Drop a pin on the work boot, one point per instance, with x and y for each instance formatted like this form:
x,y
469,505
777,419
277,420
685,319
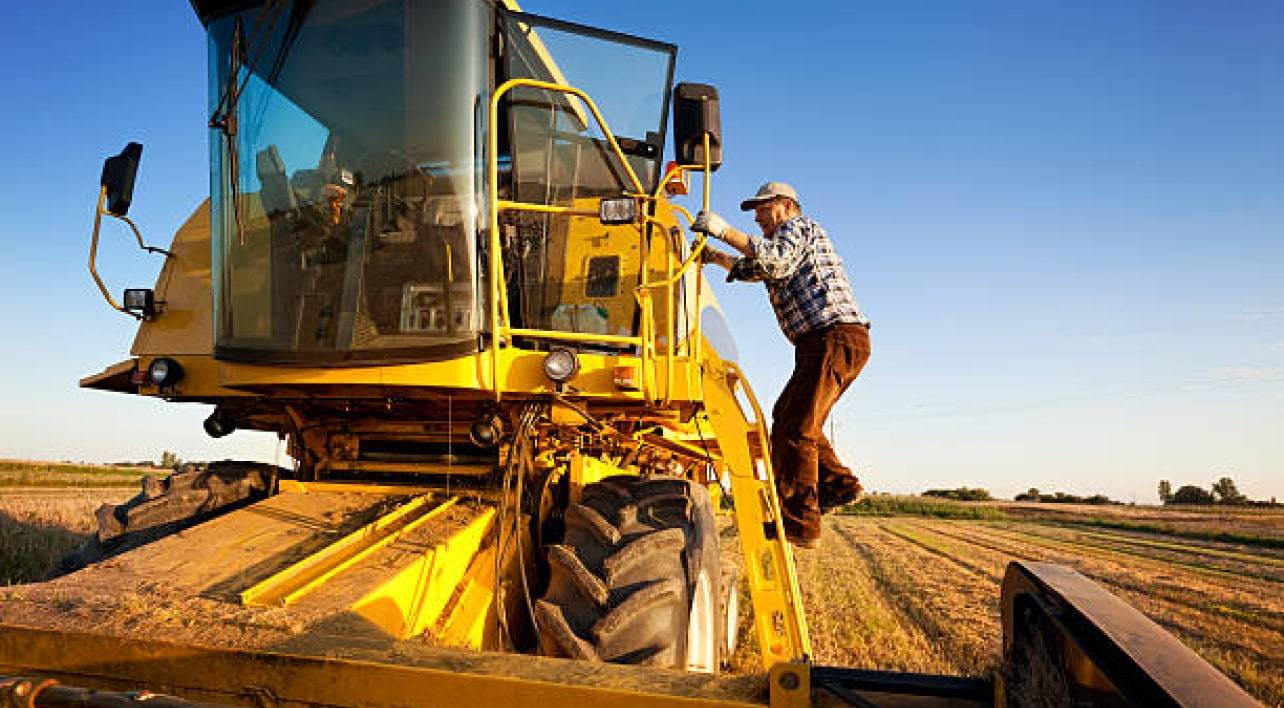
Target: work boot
x,y
801,520
838,491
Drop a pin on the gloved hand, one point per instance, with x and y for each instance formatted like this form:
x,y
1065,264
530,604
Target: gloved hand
x,y
713,255
710,223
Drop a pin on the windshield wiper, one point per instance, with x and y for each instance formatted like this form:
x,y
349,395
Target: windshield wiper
x,y
223,119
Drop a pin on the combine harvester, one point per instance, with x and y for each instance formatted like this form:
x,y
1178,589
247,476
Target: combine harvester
x,y
441,261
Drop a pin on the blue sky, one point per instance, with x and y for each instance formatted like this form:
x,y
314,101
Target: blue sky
x,y
1065,219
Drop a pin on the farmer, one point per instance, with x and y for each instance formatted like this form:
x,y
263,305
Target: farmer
x,y
819,315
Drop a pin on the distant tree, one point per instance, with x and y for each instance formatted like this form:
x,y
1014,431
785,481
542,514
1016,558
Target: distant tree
x,y
1030,495
960,494
1165,491
170,460
1227,493
1190,494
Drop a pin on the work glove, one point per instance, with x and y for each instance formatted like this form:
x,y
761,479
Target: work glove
x,y
710,223
713,255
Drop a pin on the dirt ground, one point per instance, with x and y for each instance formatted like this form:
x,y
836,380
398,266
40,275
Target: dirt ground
x,y
903,593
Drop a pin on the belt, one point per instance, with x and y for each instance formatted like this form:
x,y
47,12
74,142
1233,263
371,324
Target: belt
x,y
821,330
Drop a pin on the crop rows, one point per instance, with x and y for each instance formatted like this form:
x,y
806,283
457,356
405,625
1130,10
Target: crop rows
x,y
922,594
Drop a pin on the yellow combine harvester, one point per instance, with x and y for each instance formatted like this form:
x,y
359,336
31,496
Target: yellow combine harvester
x,y
440,260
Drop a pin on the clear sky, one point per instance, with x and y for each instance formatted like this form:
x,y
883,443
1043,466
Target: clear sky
x,y
1065,219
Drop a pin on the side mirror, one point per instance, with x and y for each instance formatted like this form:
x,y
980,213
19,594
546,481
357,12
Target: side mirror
x,y
695,114
118,178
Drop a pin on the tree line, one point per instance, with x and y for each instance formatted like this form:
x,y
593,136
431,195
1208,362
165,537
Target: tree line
x,y
1223,491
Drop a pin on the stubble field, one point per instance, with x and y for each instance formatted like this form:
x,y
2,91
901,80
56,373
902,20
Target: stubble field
x,y
922,594
913,592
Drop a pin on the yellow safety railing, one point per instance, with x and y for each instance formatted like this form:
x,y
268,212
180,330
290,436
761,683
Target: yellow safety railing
x,y
500,320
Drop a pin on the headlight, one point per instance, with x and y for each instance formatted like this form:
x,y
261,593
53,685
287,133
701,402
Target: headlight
x,y
141,301
164,373
218,426
561,364
486,431
622,210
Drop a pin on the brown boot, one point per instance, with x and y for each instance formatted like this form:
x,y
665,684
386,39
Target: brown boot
x,y
801,519
838,491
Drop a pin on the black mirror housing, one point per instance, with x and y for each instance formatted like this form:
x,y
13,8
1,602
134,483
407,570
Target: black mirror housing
x,y
695,113
118,178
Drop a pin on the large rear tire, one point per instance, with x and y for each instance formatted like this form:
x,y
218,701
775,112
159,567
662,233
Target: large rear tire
x,y
636,578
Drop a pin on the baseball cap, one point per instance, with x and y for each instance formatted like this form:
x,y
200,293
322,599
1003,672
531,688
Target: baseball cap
x,y
770,190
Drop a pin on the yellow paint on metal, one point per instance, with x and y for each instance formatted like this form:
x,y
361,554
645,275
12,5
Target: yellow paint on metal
x,y
790,685
584,471
499,316
428,677
412,601
402,467
468,621
185,324
93,250
294,486
769,563
312,572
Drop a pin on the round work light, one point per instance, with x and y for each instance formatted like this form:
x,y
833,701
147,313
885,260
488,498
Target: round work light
x,y
561,364
164,372
486,431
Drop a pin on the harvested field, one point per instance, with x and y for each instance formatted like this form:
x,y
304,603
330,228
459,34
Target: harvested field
x,y
39,526
922,594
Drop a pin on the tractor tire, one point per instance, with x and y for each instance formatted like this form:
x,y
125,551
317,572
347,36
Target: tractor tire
x,y
636,577
165,505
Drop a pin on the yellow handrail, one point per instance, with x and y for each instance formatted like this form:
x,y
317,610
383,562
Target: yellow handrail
x,y
498,288
500,319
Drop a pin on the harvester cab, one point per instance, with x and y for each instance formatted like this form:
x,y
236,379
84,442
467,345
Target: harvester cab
x,y
442,261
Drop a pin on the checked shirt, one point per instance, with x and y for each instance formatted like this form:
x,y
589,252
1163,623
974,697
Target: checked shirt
x,y
804,276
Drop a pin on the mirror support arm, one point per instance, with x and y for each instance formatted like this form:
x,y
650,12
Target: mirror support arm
x,y
93,251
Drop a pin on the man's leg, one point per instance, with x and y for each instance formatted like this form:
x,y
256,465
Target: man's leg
x,y
793,462
837,485
820,363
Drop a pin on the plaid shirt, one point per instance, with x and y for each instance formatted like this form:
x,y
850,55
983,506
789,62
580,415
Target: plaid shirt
x,y
804,277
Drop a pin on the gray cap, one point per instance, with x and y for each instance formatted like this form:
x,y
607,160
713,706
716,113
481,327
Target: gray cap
x,y
770,190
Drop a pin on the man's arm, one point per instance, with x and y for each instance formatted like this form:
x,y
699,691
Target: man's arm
x,y
742,268
779,256
716,257
774,258
717,227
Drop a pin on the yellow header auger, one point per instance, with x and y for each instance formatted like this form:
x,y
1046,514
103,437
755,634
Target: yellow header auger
x,y
441,261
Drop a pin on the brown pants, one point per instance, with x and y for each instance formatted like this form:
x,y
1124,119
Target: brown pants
x,y
825,364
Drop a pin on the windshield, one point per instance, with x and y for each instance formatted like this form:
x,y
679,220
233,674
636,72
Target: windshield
x,y
346,181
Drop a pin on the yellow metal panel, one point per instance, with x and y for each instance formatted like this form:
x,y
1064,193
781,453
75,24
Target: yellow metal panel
x,y
790,685
185,325
412,600
424,677
466,625
294,486
310,573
